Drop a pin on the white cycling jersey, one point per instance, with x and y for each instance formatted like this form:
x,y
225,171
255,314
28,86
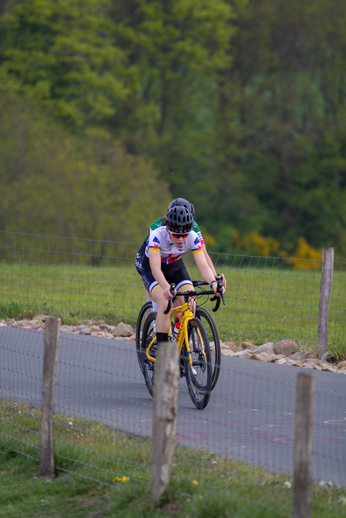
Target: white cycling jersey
x,y
160,242
159,223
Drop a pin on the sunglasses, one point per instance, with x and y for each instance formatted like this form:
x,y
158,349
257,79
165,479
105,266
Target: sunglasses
x,y
177,236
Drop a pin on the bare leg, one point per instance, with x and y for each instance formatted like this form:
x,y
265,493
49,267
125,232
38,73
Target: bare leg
x,y
162,320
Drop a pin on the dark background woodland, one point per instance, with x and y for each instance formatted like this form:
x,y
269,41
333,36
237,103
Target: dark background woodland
x,y
110,108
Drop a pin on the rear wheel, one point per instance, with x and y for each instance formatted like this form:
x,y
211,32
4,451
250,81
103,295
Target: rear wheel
x,y
149,339
214,340
199,374
142,315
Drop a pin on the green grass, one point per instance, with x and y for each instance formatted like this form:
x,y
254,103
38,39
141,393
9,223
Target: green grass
x,y
101,472
262,304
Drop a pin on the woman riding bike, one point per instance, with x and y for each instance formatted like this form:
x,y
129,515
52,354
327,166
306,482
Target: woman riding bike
x,y
162,263
178,202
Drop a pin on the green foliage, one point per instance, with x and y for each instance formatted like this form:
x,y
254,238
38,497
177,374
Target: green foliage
x,y
282,123
63,53
14,310
55,183
240,105
178,48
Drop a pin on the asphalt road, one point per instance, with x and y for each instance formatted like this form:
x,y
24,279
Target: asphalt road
x,y
250,415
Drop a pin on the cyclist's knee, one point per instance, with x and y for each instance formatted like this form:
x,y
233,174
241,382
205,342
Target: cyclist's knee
x,y
159,299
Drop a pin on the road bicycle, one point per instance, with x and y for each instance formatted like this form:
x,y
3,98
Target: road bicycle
x,y
203,315
194,351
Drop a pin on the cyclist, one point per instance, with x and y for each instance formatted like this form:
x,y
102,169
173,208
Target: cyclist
x,y
161,222
162,263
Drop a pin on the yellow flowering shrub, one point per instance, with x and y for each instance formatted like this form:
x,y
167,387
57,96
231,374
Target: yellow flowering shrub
x,y
262,245
303,257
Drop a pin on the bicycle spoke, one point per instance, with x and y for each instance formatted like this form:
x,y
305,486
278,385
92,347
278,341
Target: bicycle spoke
x,y
214,341
149,346
144,312
199,374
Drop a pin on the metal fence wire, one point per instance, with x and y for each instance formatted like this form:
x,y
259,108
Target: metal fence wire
x,y
239,447
267,298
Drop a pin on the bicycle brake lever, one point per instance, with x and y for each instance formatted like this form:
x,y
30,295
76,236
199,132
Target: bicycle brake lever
x,y
217,305
218,299
219,289
169,305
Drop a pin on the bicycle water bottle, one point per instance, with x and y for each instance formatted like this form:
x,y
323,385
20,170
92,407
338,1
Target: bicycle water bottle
x,y
176,331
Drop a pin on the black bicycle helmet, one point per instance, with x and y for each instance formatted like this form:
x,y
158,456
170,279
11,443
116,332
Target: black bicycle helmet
x,y
181,202
179,220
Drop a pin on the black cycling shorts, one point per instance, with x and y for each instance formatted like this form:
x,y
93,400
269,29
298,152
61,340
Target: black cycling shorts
x,y
174,272
140,257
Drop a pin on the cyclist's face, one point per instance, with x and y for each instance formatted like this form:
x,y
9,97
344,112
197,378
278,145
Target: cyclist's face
x,y
178,239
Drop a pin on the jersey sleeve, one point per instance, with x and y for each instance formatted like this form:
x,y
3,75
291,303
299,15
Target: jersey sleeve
x,y
196,229
154,244
195,243
156,224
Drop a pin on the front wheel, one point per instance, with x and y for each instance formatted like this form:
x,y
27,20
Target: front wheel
x,y
214,340
142,315
149,341
199,374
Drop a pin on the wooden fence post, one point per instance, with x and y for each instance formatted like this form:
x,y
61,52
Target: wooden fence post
x,y
325,294
165,407
50,349
302,490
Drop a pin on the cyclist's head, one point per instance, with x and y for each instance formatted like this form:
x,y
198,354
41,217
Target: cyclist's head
x,y
179,220
181,202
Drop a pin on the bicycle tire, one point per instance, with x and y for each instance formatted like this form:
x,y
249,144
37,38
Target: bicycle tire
x,y
142,315
211,329
149,366
199,375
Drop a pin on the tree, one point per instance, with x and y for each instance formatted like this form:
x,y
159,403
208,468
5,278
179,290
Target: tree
x,y
62,52
57,184
177,47
281,114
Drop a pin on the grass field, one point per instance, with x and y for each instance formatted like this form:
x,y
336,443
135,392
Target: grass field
x,y
101,472
264,302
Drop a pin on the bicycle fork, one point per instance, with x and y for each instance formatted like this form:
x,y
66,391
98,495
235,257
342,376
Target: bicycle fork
x,y
187,344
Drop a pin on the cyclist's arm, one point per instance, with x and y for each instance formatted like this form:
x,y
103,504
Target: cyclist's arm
x,y
211,266
205,270
209,261
155,266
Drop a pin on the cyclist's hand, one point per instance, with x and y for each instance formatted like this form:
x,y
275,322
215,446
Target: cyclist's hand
x,y
216,289
224,282
167,293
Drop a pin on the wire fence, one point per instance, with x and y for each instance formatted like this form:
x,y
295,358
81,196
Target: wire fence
x,y
239,448
267,298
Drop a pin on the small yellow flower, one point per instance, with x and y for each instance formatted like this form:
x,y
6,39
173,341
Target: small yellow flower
x,y
195,482
140,476
113,479
200,496
124,479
